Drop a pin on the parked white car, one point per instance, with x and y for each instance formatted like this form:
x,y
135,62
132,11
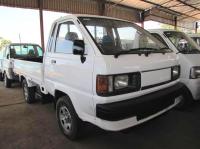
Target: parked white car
x,y
196,38
189,58
21,51
1,61
105,71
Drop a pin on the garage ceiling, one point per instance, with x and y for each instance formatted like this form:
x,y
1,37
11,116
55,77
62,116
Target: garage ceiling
x,y
184,9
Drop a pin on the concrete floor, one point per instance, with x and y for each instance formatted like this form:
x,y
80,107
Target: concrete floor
x,y
24,126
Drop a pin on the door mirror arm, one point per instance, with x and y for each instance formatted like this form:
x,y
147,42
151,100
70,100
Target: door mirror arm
x,y
7,56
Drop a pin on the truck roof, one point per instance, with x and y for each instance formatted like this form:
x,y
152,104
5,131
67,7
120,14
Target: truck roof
x,y
15,44
194,35
12,44
75,16
161,30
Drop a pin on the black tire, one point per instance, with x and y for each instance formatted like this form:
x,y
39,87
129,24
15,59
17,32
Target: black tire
x,y
73,131
1,77
7,82
28,92
186,100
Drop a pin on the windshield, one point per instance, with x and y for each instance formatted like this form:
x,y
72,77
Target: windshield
x,y
113,36
25,50
197,40
159,38
182,42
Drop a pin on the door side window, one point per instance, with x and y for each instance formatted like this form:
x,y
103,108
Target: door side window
x,y
1,52
39,51
50,40
67,33
6,52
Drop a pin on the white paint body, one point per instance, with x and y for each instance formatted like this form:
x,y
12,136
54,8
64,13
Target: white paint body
x,y
6,63
78,80
187,61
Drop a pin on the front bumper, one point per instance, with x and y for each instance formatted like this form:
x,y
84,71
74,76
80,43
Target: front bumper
x,y
138,108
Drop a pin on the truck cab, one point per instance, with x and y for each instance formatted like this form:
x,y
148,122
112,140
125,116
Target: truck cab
x,y
189,53
196,38
105,71
1,65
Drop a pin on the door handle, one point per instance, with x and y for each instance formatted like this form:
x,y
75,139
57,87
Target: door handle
x,y
53,61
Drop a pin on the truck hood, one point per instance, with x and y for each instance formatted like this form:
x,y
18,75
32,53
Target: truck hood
x,y
192,59
155,68
133,62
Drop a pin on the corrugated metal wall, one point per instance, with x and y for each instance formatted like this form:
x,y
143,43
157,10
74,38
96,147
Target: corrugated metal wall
x,y
122,12
77,6
159,16
72,6
94,7
20,3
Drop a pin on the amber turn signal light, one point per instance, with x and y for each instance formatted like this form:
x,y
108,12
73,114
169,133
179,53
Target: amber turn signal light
x,y
102,84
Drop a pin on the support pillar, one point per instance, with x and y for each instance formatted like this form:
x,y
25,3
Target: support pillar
x,y
196,27
142,24
102,7
41,23
142,19
175,23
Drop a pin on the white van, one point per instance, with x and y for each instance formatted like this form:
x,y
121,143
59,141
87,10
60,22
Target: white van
x,y
189,58
105,71
21,51
196,38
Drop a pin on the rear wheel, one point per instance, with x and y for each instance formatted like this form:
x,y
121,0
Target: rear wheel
x,y
7,82
29,92
67,118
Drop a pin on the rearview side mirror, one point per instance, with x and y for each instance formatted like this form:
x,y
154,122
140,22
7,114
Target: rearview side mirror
x,y
79,49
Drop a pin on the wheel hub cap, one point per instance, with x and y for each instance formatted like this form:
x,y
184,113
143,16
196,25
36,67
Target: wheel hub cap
x,y
25,92
65,118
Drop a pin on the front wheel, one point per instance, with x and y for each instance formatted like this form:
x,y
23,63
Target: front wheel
x,y
67,118
186,100
1,77
29,92
7,82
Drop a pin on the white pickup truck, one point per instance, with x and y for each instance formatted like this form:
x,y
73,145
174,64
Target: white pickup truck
x,y
105,71
1,64
189,58
19,52
196,38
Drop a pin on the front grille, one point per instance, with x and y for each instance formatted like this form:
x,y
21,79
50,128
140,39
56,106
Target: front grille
x,y
141,107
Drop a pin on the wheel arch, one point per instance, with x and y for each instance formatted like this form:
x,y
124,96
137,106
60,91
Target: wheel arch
x,y
59,94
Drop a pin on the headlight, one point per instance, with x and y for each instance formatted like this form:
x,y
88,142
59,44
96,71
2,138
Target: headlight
x,y
121,81
175,72
195,72
117,84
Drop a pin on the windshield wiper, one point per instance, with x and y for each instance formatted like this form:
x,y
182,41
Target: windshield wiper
x,y
116,55
140,51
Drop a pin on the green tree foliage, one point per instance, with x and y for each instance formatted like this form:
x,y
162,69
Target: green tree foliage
x,y
166,26
4,42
